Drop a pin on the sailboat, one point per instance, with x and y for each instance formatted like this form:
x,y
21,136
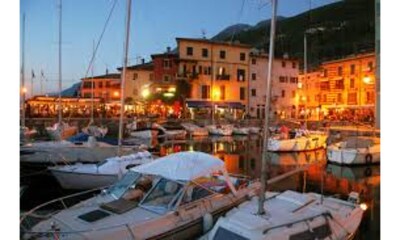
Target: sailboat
x,y
60,130
290,214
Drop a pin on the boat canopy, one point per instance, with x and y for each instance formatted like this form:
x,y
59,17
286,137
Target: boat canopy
x,y
184,166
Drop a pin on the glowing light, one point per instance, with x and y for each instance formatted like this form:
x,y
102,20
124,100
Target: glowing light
x,y
216,93
116,94
158,89
168,94
367,80
145,92
299,85
303,98
364,206
24,90
172,89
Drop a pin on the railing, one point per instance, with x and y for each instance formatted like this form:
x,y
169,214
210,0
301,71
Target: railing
x,y
223,77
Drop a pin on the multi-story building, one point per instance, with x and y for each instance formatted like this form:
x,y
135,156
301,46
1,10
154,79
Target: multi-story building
x,y
347,83
165,72
105,86
283,85
217,72
139,77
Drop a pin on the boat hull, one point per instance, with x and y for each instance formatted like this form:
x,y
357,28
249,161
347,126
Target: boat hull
x,y
82,181
353,156
299,144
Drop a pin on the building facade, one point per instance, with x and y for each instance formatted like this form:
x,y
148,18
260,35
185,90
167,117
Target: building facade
x,y
105,86
284,85
165,72
218,74
346,84
139,77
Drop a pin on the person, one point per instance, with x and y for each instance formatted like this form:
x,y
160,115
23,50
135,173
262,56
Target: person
x,y
284,130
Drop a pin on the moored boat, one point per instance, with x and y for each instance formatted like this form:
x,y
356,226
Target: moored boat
x,y
311,141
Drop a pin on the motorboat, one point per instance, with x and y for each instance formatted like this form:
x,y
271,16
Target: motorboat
x,y
254,130
220,130
97,131
170,134
95,175
310,140
61,131
61,152
177,196
195,130
355,151
291,215
240,130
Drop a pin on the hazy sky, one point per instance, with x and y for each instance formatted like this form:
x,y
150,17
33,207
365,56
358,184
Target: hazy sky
x,y
154,25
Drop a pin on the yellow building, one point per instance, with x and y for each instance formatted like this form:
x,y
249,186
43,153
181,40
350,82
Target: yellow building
x,y
218,73
105,86
344,84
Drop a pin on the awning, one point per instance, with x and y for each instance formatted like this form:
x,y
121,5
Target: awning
x,y
208,104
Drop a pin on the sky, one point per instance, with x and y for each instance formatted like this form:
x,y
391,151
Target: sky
x,y
154,25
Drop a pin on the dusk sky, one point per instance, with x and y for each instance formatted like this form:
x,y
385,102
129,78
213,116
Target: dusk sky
x,y
154,25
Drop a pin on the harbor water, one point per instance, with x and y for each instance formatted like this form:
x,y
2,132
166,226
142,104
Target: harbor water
x,y
242,155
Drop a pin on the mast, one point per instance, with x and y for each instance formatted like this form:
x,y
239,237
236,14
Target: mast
x,y
305,77
23,89
261,209
212,86
123,76
59,65
92,92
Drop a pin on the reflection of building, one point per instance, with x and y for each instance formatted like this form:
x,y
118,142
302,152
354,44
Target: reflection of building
x,y
105,86
347,83
217,72
283,85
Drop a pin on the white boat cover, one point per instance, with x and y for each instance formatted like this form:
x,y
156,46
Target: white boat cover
x,y
185,166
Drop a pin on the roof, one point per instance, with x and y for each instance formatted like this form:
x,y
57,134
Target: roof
x,y
143,66
167,54
183,166
202,40
105,76
349,58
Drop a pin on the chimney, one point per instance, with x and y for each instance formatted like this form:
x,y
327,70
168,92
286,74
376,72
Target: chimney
x,y
106,71
168,49
142,60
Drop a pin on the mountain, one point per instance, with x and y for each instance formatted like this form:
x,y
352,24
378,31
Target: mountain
x,y
335,30
72,91
231,30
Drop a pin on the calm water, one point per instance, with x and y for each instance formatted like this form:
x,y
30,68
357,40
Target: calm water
x,y
242,155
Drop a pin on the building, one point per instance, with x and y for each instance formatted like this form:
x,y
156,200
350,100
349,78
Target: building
x,y
165,72
139,77
284,85
345,85
218,75
105,86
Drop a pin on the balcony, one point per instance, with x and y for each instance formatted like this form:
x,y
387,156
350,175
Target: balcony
x,y
188,75
223,77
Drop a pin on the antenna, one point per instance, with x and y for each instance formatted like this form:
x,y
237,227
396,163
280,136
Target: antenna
x,y
203,33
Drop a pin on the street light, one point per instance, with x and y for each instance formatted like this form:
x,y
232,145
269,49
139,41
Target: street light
x,y
116,94
145,93
367,80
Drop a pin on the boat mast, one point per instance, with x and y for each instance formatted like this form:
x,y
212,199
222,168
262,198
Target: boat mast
x,y
261,209
23,89
123,76
92,91
59,66
305,77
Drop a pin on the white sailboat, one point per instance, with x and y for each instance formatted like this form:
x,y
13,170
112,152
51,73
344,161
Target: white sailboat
x,y
311,140
355,151
195,130
95,175
288,215
220,130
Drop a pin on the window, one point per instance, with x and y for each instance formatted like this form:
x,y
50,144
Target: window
x,y
292,80
205,91
339,84
167,63
352,69
339,98
253,76
294,65
222,90
100,85
253,92
242,93
283,93
340,71
352,98
87,84
242,56
241,73
204,52
293,94
135,76
222,54
325,72
352,83
370,66
200,69
107,84
282,79
189,51
283,64
253,61
166,78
